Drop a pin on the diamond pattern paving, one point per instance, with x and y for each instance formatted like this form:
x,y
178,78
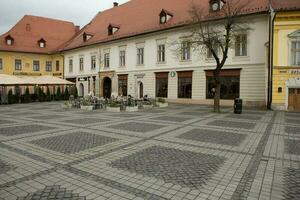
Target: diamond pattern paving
x,y
247,117
53,193
46,117
292,130
184,168
136,127
73,142
3,121
171,119
18,130
5,167
292,146
231,124
292,120
212,136
85,121
292,183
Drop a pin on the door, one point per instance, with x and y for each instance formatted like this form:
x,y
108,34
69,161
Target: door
x,y
294,99
81,90
141,90
107,88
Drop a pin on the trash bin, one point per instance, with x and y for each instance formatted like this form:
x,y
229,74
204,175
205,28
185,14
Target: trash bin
x,y
238,106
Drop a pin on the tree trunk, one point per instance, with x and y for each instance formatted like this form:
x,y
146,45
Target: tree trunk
x,y
217,96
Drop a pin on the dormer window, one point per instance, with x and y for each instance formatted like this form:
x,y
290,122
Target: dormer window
x,y
42,43
164,16
87,36
9,40
112,29
216,5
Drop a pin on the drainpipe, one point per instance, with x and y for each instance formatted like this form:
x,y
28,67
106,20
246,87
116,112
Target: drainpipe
x,y
270,60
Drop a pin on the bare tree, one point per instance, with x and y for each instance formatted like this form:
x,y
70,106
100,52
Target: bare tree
x,y
213,32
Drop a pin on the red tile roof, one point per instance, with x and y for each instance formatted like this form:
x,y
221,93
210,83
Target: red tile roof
x,y
30,29
284,5
142,16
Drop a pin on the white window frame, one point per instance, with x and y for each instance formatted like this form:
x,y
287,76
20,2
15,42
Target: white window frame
x,y
93,62
239,52
161,53
122,58
140,55
185,51
70,65
81,64
9,42
297,40
106,60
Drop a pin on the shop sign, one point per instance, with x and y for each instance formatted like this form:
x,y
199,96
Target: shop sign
x,y
173,74
294,71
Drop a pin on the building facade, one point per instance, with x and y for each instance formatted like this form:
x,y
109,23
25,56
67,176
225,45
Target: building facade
x,y
151,64
286,64
30,48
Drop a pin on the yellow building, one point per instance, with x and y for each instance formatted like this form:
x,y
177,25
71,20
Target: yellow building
x,y
31,47
286,61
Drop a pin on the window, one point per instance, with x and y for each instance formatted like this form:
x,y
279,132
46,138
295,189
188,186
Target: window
x,y
57,65
106,60
241,45
42,44
1,64
122,85
86,37
122,58
18,65
164,16
161,53
230,84
9,40
216,5
162,84
140,56
70,65
185,84
48,66
209,53
80,64
185,51
112,29
295,53
36,65
93,62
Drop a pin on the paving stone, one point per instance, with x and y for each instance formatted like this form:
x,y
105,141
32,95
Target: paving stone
x,y
136,126
292,120
4,167
245,116
73,142
212,136
195,114
292,130
232,124
184,168
52,193
292,183
83,121
292,146
171,119
3,121
18,130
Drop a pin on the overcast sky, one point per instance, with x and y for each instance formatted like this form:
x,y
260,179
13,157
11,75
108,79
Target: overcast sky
x,y
78,11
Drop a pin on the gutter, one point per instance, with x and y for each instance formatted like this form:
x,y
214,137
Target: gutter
x,y
270,60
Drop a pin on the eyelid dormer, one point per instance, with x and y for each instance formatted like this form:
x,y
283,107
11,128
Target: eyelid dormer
x,y
112,29
164,16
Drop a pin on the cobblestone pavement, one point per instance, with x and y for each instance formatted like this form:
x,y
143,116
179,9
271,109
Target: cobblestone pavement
x,y
179,152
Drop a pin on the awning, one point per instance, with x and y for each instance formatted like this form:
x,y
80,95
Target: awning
x,y
293,83
9,80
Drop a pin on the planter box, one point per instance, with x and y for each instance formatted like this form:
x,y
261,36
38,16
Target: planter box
x,y
113,109
132,109
90,108
147,107
162,105
66,106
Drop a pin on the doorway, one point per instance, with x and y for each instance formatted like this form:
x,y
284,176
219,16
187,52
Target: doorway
x,y
294,99
107,87
81,90
141,90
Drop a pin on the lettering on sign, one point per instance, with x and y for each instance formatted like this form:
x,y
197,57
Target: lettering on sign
x,y
294,71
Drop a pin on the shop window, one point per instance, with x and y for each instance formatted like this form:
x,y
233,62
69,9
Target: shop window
x,y
230,87
185,84
162,84
122,85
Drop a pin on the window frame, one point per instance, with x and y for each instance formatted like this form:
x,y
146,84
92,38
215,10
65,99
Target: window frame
x,y
106,60
1,64
36,65
93,62
140,56
241,39
19,68
122,58
48,67
296,51
161,53
81,64
70,65
185,51
57,65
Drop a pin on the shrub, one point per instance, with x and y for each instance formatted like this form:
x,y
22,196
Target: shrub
x,y
27,97
10,97
161,100
75,92
41,95
58,94
48,94
66,94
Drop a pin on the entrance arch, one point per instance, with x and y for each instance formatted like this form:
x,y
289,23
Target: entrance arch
x,y
81,90
107,87
141,90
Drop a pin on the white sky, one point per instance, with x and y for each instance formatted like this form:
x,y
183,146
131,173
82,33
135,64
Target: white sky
x,y
80,12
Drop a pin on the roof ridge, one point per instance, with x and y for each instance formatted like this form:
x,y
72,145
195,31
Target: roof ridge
x,y
47,18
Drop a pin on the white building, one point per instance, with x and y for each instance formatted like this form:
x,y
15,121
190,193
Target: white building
x,y
135,55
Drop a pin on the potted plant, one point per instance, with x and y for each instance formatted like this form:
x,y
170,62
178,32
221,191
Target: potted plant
x,y
161,103
113,107
86,104
132,106
66,105
147,105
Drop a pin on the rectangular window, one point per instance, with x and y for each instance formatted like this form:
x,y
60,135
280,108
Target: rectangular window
x,y
70,65
185,51
122,58
1,64
161,53
230,84
106,60
140,56
295,53
241,45
48,66
209,53
93,62
36,65
18,64
80,64
162,84
122,85
185,84
57,65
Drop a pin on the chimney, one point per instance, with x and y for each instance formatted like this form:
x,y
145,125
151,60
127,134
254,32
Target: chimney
x,y
77,29
116,4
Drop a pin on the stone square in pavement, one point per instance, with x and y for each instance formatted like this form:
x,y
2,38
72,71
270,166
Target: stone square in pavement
x,y
179,152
